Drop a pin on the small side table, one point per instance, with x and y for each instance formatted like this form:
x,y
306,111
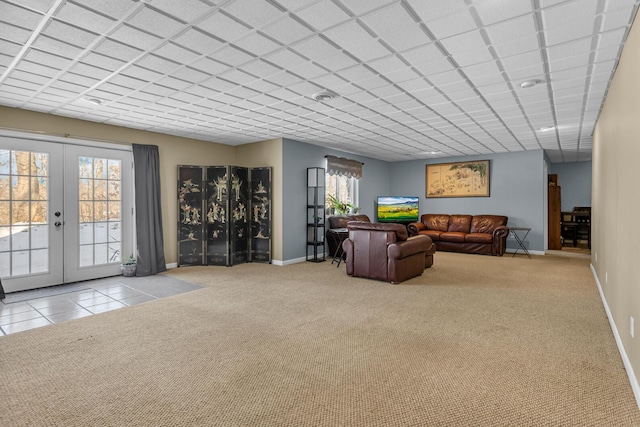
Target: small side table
x,y
338,235
514,233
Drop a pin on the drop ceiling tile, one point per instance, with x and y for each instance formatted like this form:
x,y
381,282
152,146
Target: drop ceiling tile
x,y
513,29
223,27
43,57
484,73
197,41
14,34
287,30
117,9
607,53
337,61
433,10
236,76
209,66
467,49
256,13
618,18
136,38
491,12
517,46
20,17
569,21
69,34
139,73
316,48
573,48
394,25
232,56
522,74
176,53
323,15
184,10
458,23
155,23
80,79
309,70
257,44
356,40
117,50
104,62
286,59
190,75
261,86
57,47
427,59
567,63
158,64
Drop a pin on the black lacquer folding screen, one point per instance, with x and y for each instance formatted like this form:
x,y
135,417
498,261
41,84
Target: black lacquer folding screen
x,y
225,215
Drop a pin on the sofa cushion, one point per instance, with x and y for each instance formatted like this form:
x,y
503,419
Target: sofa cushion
x,y
435,221
487,223
434,234
453,236
479,238
460,223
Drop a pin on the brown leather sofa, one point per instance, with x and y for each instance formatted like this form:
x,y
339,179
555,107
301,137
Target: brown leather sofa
x,y
386,252
340,221
474,234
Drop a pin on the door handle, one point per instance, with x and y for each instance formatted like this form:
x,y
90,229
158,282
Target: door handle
x,y
57,223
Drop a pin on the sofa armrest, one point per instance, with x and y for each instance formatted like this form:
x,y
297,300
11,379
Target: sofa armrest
x,y
500,240
414,227
403,249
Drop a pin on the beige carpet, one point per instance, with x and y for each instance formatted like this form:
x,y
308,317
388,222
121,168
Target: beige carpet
x,y
474,341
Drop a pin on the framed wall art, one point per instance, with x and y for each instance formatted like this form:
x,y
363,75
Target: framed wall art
x,y
459,179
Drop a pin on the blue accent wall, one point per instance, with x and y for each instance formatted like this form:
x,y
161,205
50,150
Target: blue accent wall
x,y
517,190
575,183
297,157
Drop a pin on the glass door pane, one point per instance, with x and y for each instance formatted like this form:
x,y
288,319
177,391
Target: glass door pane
x,y
30,241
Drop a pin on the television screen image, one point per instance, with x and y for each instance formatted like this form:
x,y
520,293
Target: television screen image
x,y
398,209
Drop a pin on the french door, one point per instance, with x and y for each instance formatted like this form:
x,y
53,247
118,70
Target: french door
x,y
65,213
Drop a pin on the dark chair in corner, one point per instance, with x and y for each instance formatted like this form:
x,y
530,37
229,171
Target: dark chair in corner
x,y
386,252
334,238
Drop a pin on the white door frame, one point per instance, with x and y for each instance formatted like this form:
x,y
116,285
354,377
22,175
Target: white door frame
x,y
20,141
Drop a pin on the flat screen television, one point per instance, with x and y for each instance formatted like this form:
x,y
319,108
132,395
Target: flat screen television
x,y
400,209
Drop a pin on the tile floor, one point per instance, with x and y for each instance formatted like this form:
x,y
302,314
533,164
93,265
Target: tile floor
x,y
21,311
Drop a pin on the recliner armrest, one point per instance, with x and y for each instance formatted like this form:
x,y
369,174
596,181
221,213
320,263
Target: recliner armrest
x,y
403,249
414,227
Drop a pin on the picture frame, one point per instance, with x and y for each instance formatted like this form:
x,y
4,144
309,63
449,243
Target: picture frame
x,y
457,179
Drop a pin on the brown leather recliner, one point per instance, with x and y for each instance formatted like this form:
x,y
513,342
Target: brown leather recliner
x,y
339,222
386,252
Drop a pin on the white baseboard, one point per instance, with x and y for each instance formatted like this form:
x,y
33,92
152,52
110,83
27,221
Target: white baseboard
x,y
532,252
274,262
292,261
625,359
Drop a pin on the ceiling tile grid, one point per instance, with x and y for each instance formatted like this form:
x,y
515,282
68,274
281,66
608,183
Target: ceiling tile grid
x,y
412,78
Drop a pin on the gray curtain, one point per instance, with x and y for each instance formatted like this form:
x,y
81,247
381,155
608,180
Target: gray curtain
x,y
148,211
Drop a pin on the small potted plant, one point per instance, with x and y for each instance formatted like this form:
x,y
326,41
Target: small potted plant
x,y
128,267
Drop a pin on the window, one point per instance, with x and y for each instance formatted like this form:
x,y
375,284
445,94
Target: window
x,y
342,181
343,188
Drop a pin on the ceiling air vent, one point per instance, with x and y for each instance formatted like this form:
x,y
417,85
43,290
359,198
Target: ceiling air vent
x,y
324,95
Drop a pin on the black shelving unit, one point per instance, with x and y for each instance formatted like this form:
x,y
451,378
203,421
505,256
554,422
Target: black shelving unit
x,y
315,214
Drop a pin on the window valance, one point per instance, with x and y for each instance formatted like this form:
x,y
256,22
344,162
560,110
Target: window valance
x,y
344,167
